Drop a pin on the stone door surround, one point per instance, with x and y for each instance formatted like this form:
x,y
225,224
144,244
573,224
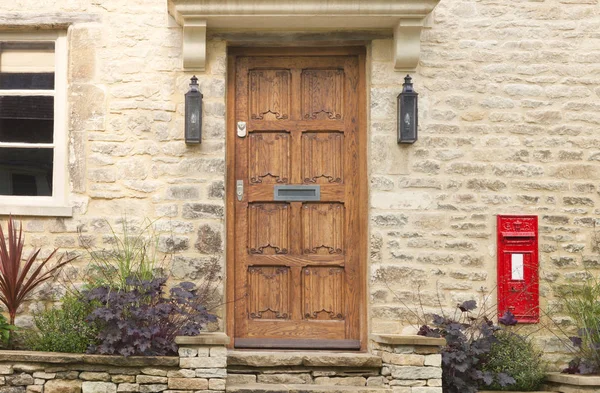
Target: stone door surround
x,y
406,18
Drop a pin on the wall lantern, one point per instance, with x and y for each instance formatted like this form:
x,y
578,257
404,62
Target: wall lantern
x,y
193,113
408,112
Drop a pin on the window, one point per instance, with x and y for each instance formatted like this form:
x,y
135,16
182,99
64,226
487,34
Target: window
x,y
33,131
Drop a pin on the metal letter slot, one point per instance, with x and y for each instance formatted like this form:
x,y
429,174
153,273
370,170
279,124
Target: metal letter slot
x,y
241,129
297,193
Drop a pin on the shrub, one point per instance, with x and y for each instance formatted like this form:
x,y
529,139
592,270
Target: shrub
x,y
18,280
469,340
141,320
581,303
516,356
64,329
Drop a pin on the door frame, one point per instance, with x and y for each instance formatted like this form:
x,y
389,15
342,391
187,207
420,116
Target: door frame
x,y
232,54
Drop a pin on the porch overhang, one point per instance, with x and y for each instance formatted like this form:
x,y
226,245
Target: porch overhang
x,y
406,18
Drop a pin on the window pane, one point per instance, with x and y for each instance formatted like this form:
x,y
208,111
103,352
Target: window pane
x,y
27,119
26,172
27,81
26,65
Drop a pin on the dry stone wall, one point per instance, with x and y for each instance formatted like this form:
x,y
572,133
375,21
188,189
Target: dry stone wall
x,y
200,368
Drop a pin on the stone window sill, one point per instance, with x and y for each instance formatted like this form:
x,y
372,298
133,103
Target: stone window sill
x,y
28,210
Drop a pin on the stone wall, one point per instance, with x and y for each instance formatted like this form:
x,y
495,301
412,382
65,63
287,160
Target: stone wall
x,y
127,157
509,100
410,364
201,367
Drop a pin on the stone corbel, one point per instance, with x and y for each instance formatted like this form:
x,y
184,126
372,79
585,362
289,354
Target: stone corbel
x,y
407,44
194,45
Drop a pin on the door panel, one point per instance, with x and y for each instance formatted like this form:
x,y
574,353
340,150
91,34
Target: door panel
x,y
297,270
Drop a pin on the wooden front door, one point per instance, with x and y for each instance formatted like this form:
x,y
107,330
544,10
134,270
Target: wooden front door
x,y
297,256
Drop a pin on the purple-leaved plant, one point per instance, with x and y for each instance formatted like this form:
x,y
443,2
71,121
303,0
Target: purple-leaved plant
x,y
142,320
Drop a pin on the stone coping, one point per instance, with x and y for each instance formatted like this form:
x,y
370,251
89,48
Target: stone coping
x,y
398,339
572,379
216,338
66,358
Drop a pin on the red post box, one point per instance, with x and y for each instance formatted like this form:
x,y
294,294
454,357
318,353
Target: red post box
x,y
518,281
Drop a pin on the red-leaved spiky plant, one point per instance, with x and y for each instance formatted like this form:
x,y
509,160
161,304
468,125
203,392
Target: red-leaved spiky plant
x,y
20,277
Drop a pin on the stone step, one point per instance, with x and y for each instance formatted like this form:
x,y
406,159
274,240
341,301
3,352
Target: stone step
x,y
266,388
305,359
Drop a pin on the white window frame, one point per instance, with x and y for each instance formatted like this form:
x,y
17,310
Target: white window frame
x,y
57,204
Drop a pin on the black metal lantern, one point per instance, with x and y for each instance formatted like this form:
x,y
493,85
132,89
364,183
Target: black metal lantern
x,y
408,112
193,113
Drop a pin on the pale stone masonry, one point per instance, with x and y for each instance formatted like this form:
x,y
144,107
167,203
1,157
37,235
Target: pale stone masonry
x,y
200,368
410,364
509,124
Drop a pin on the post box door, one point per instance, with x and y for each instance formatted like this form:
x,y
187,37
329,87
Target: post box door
x,y
518,286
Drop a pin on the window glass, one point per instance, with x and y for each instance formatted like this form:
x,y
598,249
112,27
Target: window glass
x,y
27,119
26,172
27,65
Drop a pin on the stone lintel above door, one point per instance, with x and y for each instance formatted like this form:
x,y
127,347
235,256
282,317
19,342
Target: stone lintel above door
x,y
405,18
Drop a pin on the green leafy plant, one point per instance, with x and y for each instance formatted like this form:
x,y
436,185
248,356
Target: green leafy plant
x,y
64,329
5,331
516,356
20,277
581,302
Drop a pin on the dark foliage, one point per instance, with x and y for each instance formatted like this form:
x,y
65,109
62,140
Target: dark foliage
x,y
142,320
508,319
468,341
582,366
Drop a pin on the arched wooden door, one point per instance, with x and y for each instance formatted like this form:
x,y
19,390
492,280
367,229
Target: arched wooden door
x,y
296,197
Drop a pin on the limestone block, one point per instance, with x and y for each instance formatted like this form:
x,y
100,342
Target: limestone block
x,y
183,373
153,388
403,359
6,369
22,379
412,373
123,378
210,242
211,362
12,389
211,373
284,378
188,383
34,389
98,387
216,384
348,381
240,379
433,360
219,351
128,387
427,390
434,382
94,376
202,210
148,379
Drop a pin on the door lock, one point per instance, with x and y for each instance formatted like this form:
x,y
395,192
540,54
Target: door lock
x,y
239,187
241,129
